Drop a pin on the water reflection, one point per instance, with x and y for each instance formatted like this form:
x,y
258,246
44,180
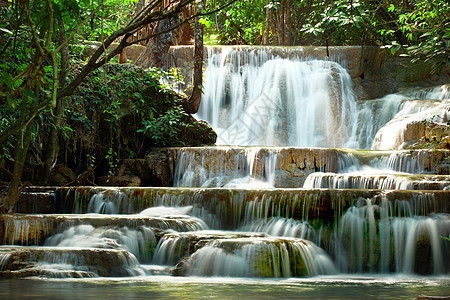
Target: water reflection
x,y
164,287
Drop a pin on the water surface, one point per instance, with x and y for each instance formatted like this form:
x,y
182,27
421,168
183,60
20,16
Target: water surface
x,y
166,287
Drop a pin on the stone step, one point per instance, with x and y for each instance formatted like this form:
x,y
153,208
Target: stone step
x,y
232,206
377,181
35,229
16,262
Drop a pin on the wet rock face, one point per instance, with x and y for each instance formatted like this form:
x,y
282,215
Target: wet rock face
x,y
427,135
153,170
157,168
199,134
423,263
33,202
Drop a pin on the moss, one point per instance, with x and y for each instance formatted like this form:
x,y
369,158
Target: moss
x,y
423,263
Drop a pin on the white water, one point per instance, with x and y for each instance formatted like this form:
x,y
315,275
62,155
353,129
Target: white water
x,y
271,101
134,241
384,180
164,211
261,99
374,235
226,167
366,245
260,257
265,100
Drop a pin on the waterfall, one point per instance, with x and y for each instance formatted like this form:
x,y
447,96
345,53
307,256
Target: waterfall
x,y
268,201
374,114
4,258
255,167
139,242
360,180
394,243
226,167
260,257
266,100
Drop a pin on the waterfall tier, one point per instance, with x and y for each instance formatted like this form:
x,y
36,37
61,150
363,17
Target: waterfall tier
x,y
257,257
66,262
234,206
34,229
289,167
267,100
300,96
320,231
377,181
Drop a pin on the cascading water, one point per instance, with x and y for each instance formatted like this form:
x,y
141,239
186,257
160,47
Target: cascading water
x,y
266,100
393,244
256,211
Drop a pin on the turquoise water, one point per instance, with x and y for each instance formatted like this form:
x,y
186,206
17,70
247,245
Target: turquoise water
x,y
166,287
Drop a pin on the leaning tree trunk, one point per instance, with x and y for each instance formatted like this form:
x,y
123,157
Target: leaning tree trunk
x,y
23,143
191,106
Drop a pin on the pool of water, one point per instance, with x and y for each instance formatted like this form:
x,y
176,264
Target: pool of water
x,y
167,287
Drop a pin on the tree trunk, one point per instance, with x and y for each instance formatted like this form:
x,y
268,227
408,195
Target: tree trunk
x,y
51,152
272,31
23,142
266,33
280,25
192,105
287,23
185,32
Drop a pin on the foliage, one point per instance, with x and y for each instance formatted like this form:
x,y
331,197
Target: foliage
x,y
427,27
340,22
241,23
34,90
112,110
164,129
419,28
116,14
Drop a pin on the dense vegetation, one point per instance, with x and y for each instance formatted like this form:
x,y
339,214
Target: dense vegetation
x,y
52,99
420,28
37,51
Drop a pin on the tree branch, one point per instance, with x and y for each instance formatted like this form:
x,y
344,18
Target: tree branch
x,y
140,22
51,29
93,62
33,30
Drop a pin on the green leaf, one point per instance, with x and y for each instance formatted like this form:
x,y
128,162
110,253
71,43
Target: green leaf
x,y
7,79
205,22
11,102
30,95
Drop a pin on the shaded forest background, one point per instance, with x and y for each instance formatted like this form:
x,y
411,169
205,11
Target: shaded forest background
x,y
76,115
